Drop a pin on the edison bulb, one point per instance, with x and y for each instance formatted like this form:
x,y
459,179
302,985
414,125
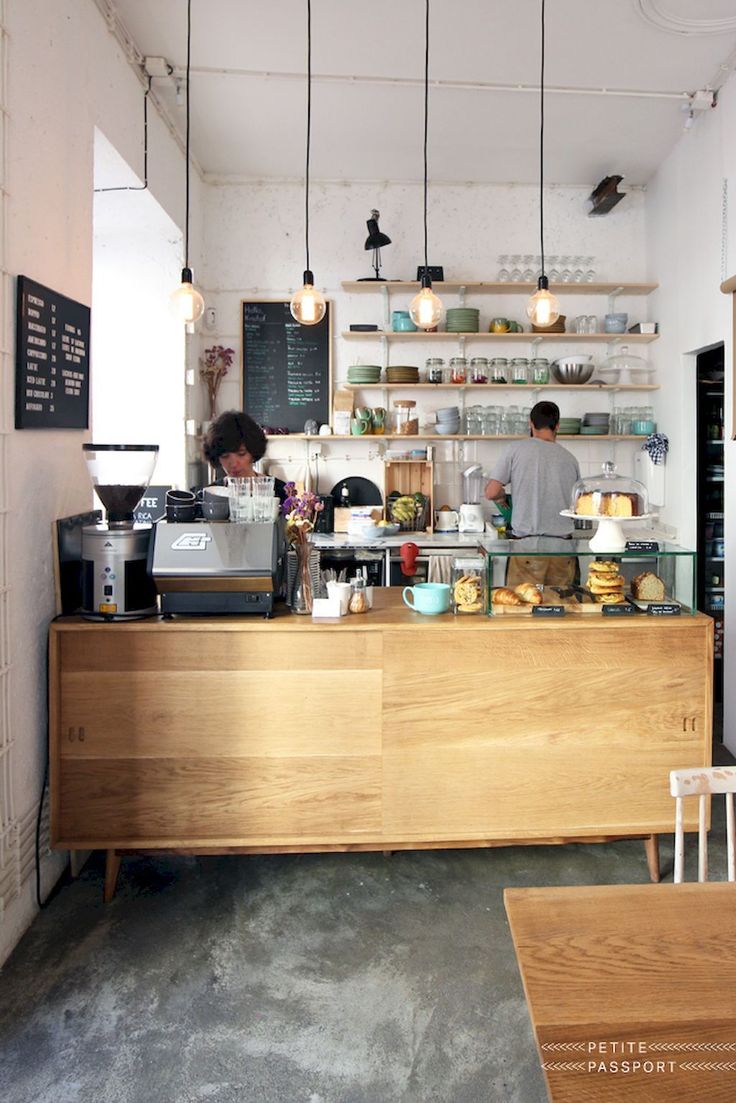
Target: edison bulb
x,y
425,309
308,304
543,309
186,302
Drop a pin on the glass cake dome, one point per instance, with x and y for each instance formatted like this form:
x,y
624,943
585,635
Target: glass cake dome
x,y
609,495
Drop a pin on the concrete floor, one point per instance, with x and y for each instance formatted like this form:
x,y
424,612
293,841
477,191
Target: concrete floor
x,y
289,979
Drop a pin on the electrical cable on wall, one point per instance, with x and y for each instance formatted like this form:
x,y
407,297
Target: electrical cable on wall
x,y
144,185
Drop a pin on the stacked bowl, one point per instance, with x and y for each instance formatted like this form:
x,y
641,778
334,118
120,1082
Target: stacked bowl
x,y
595,425
463,319
402,373
364,373
569,426
448,421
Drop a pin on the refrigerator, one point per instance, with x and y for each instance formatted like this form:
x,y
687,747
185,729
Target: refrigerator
x,y
711,499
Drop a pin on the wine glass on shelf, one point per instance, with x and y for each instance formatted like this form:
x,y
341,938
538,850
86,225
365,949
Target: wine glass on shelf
x,y
528,270
516,268
589,269
578,273
566,270
553,268
503,272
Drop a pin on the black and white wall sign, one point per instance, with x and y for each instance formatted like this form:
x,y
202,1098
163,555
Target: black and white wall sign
x,y
51,359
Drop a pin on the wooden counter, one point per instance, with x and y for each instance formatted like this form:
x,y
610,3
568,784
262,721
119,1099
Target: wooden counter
x,y
379,732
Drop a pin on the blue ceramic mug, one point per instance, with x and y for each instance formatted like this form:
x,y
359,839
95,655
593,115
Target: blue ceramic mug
x,y
401,322
430,598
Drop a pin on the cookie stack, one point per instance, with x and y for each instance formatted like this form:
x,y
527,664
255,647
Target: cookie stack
x,y
605,583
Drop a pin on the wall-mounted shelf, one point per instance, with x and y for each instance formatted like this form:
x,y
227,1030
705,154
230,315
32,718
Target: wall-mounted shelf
x,y
526,338
482,388
508,288
436,437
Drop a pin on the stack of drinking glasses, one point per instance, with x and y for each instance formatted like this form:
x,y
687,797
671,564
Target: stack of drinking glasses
x,y
252,499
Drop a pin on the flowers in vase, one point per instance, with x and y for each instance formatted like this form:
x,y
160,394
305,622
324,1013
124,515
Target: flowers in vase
x,y
300,511
212,370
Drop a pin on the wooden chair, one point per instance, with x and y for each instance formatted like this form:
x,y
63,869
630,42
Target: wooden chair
x,y
703,782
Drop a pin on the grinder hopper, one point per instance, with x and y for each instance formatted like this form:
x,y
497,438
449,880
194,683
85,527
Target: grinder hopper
x,y
120,474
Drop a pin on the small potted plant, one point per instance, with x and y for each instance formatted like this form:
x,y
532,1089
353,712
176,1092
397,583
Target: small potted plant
x,y
213,369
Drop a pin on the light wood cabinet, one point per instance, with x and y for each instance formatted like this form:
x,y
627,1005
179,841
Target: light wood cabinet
x,y
381,732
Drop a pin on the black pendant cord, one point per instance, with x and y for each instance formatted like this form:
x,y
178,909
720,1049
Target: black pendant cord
x,y
426,126
186,204
144,185
309,129
541,150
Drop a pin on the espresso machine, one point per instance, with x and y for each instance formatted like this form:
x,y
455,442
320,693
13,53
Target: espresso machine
x,y
116,584
471,510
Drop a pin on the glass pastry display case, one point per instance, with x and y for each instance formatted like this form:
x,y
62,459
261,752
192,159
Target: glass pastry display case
x,y
556,577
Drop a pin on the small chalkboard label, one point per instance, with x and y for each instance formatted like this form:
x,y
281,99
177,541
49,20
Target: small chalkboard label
x,y
622,610
642,546
548,610
663,609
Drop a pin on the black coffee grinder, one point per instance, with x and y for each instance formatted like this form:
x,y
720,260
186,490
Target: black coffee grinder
x,y
116,584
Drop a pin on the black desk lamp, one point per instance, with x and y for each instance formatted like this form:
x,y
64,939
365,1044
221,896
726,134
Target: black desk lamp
x,y
375,241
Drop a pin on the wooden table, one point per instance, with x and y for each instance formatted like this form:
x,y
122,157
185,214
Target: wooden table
x,y
622,974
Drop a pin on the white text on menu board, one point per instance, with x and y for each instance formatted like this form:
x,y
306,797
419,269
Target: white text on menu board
x,y
44,345
303,384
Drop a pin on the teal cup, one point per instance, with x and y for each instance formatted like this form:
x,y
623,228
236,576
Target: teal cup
x,y
359,427
429,598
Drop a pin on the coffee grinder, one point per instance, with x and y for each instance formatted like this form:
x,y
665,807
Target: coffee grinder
x,y
116,584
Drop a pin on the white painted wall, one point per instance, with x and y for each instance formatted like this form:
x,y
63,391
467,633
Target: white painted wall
x,y
254,235
684,253
66,75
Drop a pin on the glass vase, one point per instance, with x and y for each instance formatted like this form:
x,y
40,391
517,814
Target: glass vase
x,y
301,598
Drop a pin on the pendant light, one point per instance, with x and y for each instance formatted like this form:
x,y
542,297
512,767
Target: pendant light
x,y
425,308
543,309
308,304
186,302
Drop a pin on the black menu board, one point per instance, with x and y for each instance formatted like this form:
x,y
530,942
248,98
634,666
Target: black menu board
x,y
287,367
51,359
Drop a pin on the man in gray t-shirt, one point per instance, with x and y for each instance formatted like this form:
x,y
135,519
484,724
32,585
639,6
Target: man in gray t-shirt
x,y
541,475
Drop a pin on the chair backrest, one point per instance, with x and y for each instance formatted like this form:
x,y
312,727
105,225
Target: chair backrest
x,y
703,782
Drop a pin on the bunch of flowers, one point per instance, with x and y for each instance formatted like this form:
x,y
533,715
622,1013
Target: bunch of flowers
x,y
300,511
213,368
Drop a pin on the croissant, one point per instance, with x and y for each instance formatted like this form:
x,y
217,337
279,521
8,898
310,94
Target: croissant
x,y
504,596
528,593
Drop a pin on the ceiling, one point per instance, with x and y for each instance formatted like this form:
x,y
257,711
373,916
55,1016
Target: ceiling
x,y
248,100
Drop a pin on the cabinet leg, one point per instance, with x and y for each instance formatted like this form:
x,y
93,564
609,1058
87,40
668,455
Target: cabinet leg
x,y
112,869
651,846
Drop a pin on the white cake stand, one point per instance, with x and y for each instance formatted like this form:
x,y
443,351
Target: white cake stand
x,y
610,534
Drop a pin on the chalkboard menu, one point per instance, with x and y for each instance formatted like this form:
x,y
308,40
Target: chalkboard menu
x,y
287,367
51,359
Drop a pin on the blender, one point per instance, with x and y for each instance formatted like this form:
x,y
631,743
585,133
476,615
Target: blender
x,y
471,511
116,584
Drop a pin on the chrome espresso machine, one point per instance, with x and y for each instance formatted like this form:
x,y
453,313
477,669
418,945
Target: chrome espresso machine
x,y
116,583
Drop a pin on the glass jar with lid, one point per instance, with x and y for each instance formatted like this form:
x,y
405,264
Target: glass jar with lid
x,y
539,369
358,601
499,369
434,365
520,370
405,416
468,583
459,369
609,495
479,369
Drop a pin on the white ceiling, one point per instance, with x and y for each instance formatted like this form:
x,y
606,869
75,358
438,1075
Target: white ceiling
x,y
248,85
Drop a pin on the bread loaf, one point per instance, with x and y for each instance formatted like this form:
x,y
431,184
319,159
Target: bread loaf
x,y
603,503
647,586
